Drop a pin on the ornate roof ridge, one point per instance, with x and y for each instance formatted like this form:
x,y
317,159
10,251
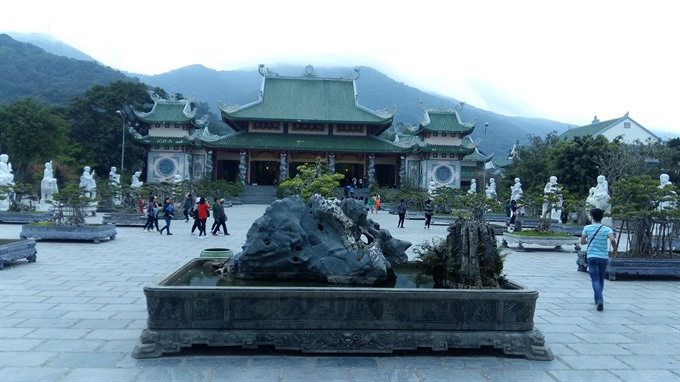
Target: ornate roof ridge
x,y
308,74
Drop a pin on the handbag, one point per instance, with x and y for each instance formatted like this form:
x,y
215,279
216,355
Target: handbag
x,y
591,240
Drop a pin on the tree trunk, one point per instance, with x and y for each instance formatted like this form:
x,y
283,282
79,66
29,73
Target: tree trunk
x,y
641,242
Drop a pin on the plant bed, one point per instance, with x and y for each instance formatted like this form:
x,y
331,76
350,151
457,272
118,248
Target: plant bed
x,y
551,239
24,217
94,233
12,250
333,319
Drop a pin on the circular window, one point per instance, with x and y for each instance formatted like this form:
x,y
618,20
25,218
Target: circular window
x,y
443,174
166,167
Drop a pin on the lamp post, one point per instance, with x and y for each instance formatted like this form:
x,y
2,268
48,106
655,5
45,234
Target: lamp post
x,y
122,150
486,125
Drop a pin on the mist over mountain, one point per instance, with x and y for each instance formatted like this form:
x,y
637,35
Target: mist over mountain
x,y
29,71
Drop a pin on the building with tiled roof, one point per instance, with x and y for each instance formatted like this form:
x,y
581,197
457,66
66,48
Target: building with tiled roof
x,y
296,120
171,151
626,127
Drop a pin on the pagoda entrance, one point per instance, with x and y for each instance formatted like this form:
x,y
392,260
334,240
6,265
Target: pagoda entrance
x,y
227,170
385,174
264,172
349,170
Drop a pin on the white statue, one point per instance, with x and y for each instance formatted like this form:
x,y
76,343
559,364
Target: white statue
x,y
114,178
88,183
135,180
516,191
177,178
432,188
491,189
665,180
473,187
550,189
599,195
48,184
6,176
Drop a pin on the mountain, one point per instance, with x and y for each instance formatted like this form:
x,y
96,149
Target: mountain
x,y
29,71
375,91
50,45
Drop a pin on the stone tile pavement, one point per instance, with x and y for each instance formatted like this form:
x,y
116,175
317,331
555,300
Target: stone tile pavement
x,y
76,314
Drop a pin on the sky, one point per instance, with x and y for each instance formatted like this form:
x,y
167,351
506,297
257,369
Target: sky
x,y
562,60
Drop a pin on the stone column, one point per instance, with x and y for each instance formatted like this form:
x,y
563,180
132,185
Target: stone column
x,y
283,167
371,169
242,167
402,171
209,166
331,163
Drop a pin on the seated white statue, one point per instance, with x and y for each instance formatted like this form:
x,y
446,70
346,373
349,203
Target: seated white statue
x,y
432,188
665,180
473,187
6,176
135,180
599,195
113,176
491,189
87,181
177,178
516,191
48,185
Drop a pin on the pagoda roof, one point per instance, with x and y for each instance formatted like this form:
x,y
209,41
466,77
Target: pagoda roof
x,y
309,99
443,121
477,156
593,129
168,111
245,140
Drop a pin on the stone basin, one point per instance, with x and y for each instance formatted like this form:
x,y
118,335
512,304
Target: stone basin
x,y
549,241
94,233
337,319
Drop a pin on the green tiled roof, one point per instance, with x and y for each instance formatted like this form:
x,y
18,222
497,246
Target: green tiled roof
x,y
168,111
444,122
476,156
443,149
307,100
592,129
149,140
336,143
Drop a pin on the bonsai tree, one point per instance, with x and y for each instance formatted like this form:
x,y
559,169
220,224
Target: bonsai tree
x,y
648,213
312,179
69,205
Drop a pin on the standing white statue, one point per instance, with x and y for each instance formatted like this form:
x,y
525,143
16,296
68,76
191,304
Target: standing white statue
x,y
491,189
113,176
432,188
6,176
550,189
473,187
48,184
135,180
599,195
516,191
88,183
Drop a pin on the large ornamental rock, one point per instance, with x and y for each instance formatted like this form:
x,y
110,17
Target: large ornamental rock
x,y
325,240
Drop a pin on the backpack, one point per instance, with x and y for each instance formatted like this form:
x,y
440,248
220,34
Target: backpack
x,y
402,208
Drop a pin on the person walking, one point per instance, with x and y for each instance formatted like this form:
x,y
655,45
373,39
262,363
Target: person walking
x,y
377,203
428,209
221,219
187,206
215,214
597,256
168,215
203,211
401,211
150,214
194,214
371,203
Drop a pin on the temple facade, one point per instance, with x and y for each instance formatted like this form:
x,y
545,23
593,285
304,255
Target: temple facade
x,y
296,120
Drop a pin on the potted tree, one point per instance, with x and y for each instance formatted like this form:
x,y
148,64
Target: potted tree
x,y
68,222
649,228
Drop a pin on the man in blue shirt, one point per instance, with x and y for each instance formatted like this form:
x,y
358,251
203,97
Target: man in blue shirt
x,y
596,235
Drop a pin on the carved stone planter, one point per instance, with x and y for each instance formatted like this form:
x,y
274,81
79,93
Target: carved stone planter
x,y
94,233
549,241
136,220
338,319
646,267
19,249
24,217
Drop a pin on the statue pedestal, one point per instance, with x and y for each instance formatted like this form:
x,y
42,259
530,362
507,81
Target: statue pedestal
x,y
609,222
4,205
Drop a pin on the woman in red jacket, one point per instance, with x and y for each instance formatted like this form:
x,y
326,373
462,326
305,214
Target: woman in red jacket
x,y
203,213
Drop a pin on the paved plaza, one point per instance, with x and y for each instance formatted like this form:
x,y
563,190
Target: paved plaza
x,y
76,315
